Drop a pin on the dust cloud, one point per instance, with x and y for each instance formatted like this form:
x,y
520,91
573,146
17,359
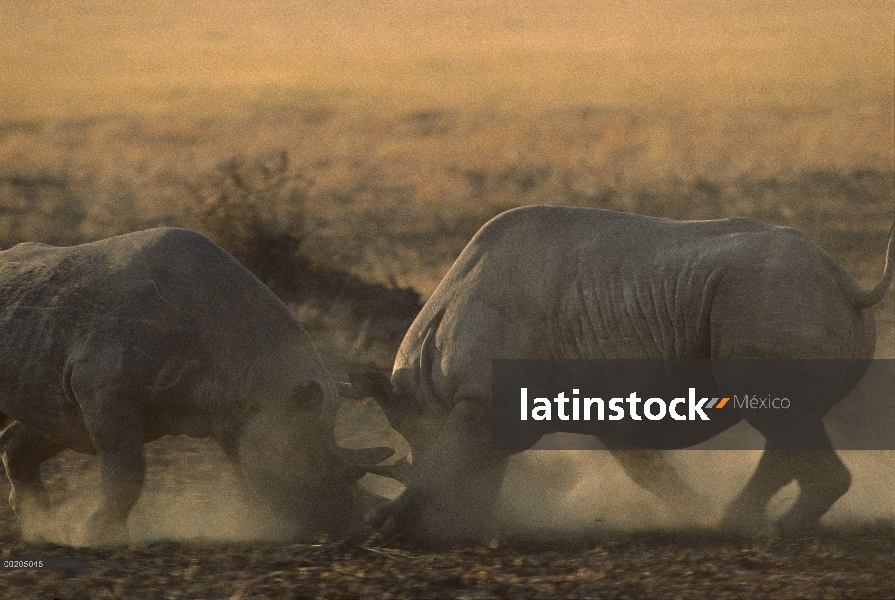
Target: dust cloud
x,y
584,492
192,493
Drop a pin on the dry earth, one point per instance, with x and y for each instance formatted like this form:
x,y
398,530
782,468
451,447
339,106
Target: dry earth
x,y
837,564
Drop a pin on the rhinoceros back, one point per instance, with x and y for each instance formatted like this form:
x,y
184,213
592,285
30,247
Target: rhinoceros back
x,y
166,311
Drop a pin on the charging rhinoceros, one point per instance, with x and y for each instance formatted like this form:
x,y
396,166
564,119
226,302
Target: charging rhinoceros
x,y
573,283
108,345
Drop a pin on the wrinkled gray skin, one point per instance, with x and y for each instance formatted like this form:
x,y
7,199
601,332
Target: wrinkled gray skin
x,y
561,282
108,345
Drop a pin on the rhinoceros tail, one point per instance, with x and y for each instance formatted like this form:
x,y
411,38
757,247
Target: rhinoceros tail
x,y
863,299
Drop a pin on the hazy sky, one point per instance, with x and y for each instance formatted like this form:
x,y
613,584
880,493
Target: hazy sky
x,y
95,55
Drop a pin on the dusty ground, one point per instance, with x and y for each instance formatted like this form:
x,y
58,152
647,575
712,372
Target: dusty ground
x,y
193,538
837,564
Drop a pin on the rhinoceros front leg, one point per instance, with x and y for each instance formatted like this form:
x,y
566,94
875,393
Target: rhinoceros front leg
x,y
651,470
453,488
115,426
23,451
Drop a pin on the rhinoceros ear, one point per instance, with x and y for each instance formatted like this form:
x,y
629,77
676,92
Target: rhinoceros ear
x,y
309,394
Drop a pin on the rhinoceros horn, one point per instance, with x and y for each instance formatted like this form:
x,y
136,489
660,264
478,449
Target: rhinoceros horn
x,y
360,461
400,471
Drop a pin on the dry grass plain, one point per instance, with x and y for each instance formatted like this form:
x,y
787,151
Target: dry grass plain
x,y
347,150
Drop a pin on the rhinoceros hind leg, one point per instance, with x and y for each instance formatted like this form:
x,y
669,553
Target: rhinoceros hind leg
x,y
747,512
22,452
823,479
821,475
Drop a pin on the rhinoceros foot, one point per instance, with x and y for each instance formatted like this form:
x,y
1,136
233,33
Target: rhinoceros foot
x,y
101,531
742,519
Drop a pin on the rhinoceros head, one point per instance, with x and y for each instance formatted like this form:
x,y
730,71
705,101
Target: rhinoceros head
x,y
303,482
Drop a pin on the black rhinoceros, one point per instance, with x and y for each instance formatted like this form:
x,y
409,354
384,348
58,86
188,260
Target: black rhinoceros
x,y
573,283
108,345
